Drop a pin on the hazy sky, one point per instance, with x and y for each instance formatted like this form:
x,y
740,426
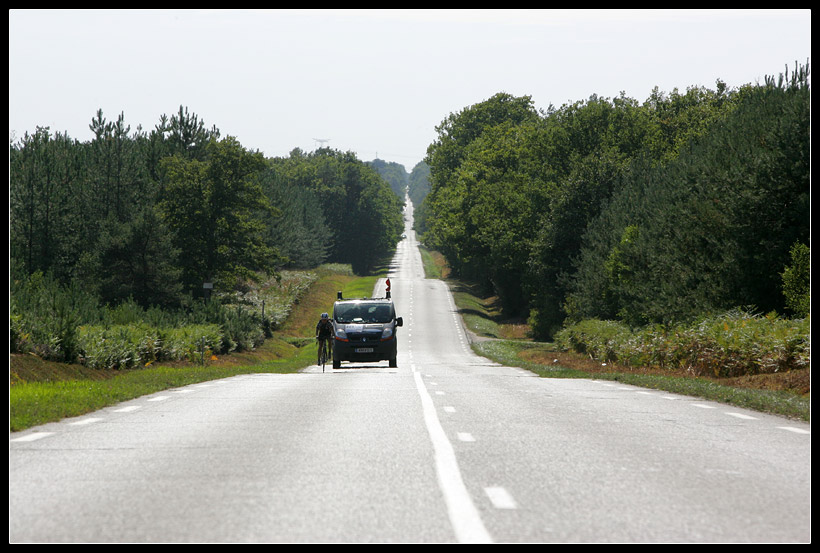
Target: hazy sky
x,y
376,82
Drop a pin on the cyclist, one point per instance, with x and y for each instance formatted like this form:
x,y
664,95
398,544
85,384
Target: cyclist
x,y
324,333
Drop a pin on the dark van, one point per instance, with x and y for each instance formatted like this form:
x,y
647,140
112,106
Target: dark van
x,y
365,330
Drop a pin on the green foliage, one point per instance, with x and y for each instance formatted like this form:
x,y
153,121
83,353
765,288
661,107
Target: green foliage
x,y
418,185
716,222
459,168
118,347
737,343
272,300
602,340
657,212
298,228
604,145
214,208
44,316
136,259
191,342
797,281
64,323
363,215
394,174
46,224
90,212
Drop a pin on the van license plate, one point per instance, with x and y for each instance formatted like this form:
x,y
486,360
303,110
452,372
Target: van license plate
x,y
364,350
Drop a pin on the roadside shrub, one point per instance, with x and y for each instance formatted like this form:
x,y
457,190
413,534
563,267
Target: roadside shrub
x,y
134,346
119,346
737,343
63,323
599,339
272,300
44,316
740,343
190,342
797,281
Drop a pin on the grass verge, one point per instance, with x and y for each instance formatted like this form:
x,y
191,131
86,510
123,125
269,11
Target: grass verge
x,y
776,398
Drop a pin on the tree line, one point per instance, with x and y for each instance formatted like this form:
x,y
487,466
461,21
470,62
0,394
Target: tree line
x,y
152,216
690,203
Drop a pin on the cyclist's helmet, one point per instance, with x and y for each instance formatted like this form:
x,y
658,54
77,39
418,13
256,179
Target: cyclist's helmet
x,y
324,315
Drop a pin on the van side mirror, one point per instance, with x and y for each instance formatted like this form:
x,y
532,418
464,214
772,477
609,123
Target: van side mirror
x,y
399,321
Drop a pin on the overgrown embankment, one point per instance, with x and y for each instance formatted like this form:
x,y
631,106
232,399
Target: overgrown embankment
x,y
43,390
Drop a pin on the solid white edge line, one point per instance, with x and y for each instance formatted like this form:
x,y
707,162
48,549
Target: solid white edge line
x,y
463,514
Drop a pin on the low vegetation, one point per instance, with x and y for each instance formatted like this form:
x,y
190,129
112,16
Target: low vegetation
x,y
47,389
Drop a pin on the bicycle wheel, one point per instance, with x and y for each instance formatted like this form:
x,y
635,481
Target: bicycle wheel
x,y
322,353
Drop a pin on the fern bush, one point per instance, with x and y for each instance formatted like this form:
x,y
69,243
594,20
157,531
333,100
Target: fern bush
x,y
134,346
737,343
63,323
190,342
118,347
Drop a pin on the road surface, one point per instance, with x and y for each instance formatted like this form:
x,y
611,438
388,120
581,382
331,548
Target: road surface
x,y
448,447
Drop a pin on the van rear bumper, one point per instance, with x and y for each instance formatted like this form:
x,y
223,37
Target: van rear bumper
x,y
370,350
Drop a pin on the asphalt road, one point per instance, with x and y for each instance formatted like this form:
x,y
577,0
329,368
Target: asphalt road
x,y
448,447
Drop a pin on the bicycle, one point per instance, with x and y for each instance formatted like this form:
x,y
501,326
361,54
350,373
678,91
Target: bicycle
x,y
323,353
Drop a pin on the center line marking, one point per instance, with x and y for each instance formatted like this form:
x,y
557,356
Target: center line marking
x,y
463,514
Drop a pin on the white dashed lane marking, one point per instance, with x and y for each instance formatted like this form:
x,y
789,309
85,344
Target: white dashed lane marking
x,y
158,398
736,415
85,421
742,416
32,437
795,430
500,498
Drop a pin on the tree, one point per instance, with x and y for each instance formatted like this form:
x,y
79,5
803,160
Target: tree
x,y
797,281
137,260
715,224
216,211
394,173
298,228
362,212
46,174
451,199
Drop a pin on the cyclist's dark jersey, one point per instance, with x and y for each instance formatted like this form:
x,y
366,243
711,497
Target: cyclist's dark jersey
x,y
324,329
